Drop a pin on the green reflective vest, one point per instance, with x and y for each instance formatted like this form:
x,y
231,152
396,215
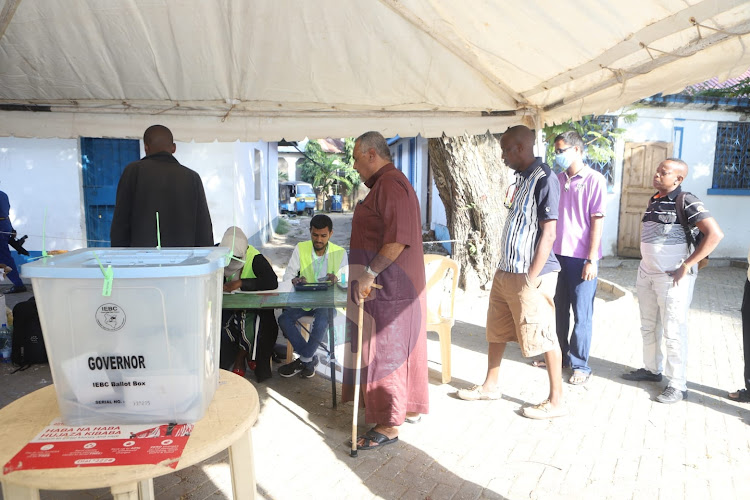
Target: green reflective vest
x,y
306,267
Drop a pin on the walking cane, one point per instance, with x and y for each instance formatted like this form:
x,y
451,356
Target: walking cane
x,y
357,362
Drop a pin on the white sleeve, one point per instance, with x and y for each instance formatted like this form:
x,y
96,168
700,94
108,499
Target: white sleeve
x,y
292,269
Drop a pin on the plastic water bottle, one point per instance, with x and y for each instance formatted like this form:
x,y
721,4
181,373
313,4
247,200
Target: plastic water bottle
x,y
5,343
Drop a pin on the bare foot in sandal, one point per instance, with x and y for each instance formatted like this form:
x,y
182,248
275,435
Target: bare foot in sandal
x,y
579,377
380,435
539,363
741,396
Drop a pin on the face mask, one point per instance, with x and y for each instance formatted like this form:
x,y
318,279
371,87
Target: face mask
x,y
565,160
233,266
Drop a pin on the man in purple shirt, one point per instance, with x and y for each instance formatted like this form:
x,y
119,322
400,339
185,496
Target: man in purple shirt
x,y
578,249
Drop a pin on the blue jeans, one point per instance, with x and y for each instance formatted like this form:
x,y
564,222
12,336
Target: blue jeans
x,y
287,323
572,291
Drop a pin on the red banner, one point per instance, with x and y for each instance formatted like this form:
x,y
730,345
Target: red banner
x,y
61,446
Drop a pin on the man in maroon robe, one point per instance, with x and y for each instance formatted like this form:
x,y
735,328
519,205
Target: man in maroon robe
x,y
386,248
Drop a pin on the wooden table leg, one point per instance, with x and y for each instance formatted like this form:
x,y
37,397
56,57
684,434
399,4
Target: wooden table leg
x,y
128,491
242,467
16,492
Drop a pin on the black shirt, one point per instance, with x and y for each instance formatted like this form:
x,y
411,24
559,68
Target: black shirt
x,y
158,183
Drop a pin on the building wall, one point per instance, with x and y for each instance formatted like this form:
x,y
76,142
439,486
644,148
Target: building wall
x,y
39,174
419,173
44,176
228,173
697,147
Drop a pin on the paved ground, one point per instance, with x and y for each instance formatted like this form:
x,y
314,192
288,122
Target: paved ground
x,y
616,443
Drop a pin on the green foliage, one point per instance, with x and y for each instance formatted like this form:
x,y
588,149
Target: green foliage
x,y
739,89
599,139
324,170
283,177
282,227
348,169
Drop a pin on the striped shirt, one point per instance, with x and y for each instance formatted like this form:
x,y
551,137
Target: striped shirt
x,y
663,243
536,198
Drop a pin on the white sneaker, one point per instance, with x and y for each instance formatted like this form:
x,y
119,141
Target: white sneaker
x,y
476,393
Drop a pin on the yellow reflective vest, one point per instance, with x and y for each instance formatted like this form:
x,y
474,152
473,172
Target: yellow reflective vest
x,y
306,266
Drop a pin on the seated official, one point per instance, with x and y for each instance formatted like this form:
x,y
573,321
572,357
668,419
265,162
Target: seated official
x,y
312,261
249,271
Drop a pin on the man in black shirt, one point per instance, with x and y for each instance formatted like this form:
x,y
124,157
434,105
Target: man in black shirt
x,y
159,184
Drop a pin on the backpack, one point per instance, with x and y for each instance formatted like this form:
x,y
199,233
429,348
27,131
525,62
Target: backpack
x,y
28,342
692,234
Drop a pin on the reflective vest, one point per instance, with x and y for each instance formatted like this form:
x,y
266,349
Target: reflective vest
x,y
247,269
306,267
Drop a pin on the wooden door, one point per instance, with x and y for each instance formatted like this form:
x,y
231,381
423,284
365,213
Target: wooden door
x,y
639,164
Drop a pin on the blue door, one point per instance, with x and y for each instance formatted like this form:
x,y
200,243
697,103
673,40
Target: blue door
x,y
103,161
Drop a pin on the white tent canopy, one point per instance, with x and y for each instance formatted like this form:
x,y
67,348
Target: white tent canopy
x,y
261,69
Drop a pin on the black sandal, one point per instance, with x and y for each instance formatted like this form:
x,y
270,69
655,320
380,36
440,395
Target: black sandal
x,y
741,396
373,436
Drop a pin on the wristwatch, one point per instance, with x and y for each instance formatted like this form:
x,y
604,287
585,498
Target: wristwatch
x,y
589,261
369,271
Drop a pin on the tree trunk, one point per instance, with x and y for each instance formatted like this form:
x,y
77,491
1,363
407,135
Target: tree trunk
x,y
472,179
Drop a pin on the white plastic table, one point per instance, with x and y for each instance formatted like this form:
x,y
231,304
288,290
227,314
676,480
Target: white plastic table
x,y
223,427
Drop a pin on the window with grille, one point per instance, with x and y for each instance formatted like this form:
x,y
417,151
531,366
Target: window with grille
x,y
732,156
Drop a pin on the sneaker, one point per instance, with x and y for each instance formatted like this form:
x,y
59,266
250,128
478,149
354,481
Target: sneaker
x,y
671,395
308,370
476,393
641,374
292,369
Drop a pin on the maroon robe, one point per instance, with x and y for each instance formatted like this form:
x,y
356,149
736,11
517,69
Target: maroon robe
x,y
394,376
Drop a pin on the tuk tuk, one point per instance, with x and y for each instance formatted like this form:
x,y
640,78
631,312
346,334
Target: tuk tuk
x,y
296,197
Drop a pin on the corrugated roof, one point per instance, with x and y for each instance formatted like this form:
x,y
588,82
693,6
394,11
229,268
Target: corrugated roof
x,y
715,83
331,145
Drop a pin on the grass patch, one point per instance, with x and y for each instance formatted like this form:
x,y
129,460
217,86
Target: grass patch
x,y
282,227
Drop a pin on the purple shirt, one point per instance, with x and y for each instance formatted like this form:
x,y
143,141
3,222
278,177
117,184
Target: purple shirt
x,y
581,196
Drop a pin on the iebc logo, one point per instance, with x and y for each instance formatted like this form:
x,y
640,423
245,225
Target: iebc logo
x,y
110,317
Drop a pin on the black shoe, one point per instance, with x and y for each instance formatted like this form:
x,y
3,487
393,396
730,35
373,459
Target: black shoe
x,y
671,395
641,374
309,368
15,289
292,369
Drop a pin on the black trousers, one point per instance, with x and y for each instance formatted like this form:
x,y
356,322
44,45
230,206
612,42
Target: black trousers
x,y
268,331
267,334
746,332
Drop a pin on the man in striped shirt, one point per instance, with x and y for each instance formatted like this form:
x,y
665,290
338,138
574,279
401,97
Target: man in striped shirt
x,y
522,307
666,278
